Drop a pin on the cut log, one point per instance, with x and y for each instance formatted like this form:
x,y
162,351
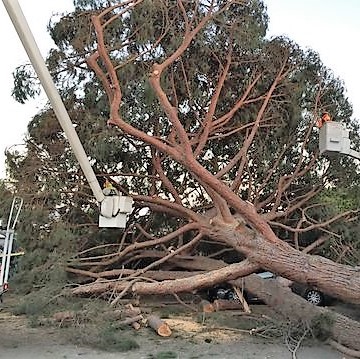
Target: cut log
x,y
206,307
131,320
345,350
223,304
160,326
136,325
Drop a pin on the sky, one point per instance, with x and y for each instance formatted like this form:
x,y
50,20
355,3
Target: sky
x,y
331,27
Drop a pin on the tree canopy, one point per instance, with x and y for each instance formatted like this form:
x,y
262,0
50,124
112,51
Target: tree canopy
x,y
189,108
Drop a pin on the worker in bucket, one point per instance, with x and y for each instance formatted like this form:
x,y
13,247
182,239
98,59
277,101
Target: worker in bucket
x,y
325,117
109,189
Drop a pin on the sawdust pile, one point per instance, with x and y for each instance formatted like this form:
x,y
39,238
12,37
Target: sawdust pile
x,y
187,328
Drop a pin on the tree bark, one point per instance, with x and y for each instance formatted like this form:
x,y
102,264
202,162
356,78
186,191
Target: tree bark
x,y
223,304
260,245
338,280
131,320
343,329
231,271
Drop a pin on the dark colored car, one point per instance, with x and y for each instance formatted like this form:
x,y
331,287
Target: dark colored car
x,y
312,295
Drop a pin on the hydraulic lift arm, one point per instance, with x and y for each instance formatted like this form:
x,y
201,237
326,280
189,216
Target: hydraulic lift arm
x,y
113,209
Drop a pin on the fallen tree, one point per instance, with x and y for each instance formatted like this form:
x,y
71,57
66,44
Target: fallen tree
x,y
212,134
244,226
322,321
326,323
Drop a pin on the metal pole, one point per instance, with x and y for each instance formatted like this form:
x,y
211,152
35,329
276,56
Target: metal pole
x,y
10,232
19,21
8,258
4,260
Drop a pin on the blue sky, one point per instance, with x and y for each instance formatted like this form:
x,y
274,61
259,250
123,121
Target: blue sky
x,y
331,27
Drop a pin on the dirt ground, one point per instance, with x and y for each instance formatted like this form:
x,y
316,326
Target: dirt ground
x,y
190,340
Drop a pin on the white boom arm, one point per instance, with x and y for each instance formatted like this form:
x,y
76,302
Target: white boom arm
x,y
28,41
111,215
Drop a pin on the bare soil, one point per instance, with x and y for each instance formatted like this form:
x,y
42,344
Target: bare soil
x,y
214,337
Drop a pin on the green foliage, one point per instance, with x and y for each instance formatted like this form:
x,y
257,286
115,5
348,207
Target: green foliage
x,y
90,325
60,214
114,340
30,307
6,198
26,84
104,337
341,199
46,253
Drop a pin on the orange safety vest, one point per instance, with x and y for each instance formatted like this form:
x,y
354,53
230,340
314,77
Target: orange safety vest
x,y
324,118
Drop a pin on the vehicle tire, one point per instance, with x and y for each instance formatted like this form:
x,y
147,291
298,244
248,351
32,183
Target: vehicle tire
x,y
222,293
314,297
232,296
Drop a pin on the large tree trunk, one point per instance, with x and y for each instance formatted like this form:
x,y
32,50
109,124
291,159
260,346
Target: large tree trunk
x,y
343,330
338,280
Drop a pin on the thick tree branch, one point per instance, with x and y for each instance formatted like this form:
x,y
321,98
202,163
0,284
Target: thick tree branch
x,y
165,204
113,90
209,279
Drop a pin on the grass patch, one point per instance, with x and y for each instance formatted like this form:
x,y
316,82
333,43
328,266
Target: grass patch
x,y
85,325
106,338
30,307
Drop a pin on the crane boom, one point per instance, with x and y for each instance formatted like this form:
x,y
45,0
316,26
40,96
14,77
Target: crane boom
x,y
22,28
114,208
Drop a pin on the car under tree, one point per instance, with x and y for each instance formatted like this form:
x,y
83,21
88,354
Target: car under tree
x,y
310,294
